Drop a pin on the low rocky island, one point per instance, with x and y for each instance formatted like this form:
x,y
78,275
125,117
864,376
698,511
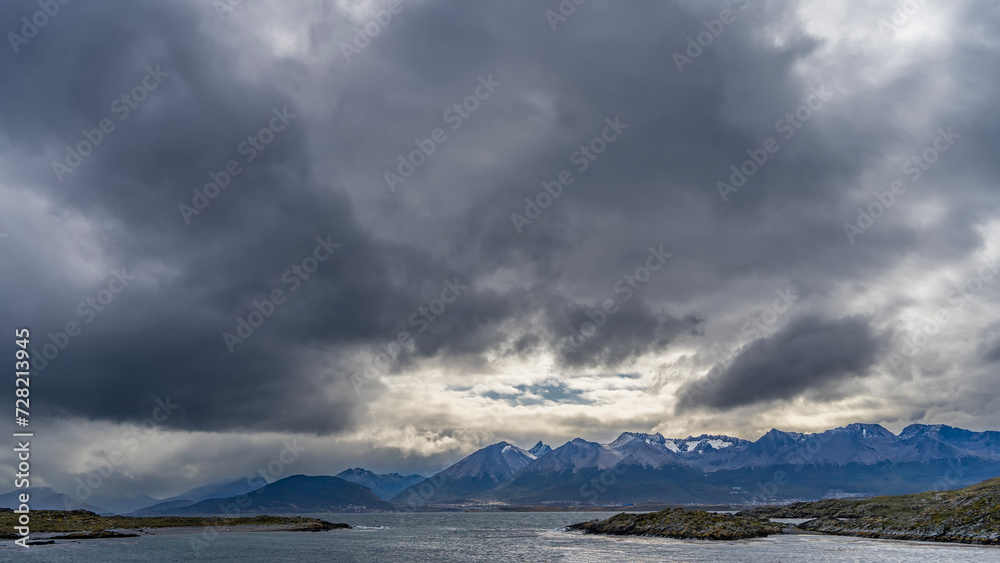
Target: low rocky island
x,y
683,524
83,524
969,515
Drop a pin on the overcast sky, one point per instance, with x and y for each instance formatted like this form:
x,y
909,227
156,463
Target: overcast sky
x,y
781,214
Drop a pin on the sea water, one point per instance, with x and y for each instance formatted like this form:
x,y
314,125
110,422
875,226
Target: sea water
x,y
489,536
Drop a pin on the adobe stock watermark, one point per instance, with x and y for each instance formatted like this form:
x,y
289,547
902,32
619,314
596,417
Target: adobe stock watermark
x,y
583,157
799,456
122,107
88,310
423,492
594,488
379,20
757,327
294,278
957,299
703,39
455,116
37,21
914,167
422,319
952,478
562,13
787,127
626,286
275,469
249,149
899,18
599,485
225,7
130,439
5,165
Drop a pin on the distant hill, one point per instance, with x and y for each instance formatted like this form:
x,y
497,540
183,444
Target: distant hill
x,y
216,490
45,498
219,490
295,494
163,508
475,474
385,486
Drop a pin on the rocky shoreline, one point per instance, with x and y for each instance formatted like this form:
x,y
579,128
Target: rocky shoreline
x,y
83,524
970,515
880,529
683,524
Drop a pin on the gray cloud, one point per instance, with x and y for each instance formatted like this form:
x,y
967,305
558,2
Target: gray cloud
x,y
322,176
808,354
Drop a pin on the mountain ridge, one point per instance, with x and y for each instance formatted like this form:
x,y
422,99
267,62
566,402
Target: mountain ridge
x,y
295,494
384,485
855,460
474,474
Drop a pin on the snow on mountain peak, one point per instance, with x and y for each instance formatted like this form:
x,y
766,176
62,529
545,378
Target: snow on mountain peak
x,y
719,444
627,437
539,449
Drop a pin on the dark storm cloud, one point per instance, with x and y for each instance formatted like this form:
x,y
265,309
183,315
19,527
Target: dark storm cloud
x,y
993,354
163,336
631,331
322,176
810,353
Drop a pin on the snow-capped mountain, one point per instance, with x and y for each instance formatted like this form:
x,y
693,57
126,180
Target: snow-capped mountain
x,y
645,450
985,444
539,449
574,455
855,459
496,463
637,467
855,443
474,474
864,459
704,443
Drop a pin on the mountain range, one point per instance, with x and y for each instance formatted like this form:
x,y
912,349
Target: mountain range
x,y
295,494
385,486
471,477
857,460
183,500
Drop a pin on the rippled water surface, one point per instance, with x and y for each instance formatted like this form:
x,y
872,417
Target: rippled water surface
x,y
482,537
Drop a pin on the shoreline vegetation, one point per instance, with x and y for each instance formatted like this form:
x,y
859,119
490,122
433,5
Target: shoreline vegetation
x,y
969,516
83,524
